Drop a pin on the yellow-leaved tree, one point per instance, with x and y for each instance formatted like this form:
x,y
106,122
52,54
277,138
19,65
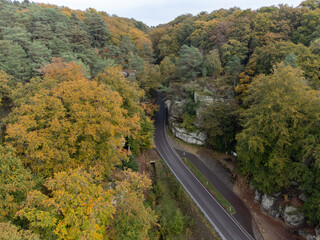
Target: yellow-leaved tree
x,y
78,209
133,219
141,131
68,123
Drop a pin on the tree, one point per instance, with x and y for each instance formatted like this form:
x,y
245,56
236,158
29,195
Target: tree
x,y
69,123
282,113
6,85
78,209
234,68
312,4
291,59
219,121
141,132
14,61
39,55
97,30
15,182
18,35
231,49
315,46
127,49
212,63
133,220
62,71
8,231
168,70
190,63
150,78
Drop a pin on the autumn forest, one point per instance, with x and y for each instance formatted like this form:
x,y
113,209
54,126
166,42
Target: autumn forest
x,y
78,93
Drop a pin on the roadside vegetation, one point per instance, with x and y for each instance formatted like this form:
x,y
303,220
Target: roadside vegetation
x,y
179,217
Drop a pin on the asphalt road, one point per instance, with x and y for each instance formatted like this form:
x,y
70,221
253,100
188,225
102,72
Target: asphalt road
x,y
242,215
226,226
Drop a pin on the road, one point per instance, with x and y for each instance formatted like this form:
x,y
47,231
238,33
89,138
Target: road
x,y
226,226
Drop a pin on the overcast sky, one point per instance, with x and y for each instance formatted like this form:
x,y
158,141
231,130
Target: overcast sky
x,y
154,12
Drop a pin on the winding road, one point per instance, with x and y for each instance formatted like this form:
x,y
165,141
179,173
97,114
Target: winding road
x,y
226,225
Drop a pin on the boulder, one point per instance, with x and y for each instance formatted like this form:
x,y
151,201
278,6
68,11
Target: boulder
x,y
269,206
257,196
307,235
302,197
292,216
317,230
189,137
267,203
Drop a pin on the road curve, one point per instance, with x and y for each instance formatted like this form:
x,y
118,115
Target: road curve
x,y
226,226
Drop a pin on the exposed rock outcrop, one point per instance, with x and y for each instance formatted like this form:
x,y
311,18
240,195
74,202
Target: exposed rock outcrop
x,y
269,206
307,235
267,203
175,110
292,216
257,196
317,230
189,137
203,99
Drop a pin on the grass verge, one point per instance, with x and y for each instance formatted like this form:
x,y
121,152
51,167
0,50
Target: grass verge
x,y
218,196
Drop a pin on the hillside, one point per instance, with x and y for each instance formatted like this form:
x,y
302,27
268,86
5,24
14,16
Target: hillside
x,y
247,82
78,91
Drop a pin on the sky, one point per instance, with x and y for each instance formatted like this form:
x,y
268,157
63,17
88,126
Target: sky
x,y
154,12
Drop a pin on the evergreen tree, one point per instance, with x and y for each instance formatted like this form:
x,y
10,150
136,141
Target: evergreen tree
x,y
190,63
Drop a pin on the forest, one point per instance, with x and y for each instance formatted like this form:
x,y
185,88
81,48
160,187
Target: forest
x,y
78,88
250,79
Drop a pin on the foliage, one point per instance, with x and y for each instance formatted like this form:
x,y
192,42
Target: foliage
x,y
141,131
168,70
219,122
190,63
6,85
72,122
15,182
212,63
8,231
32,34
282,113
78,209
133,220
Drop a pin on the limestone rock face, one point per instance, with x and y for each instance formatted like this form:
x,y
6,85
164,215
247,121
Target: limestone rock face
x,y
189,137
292,216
